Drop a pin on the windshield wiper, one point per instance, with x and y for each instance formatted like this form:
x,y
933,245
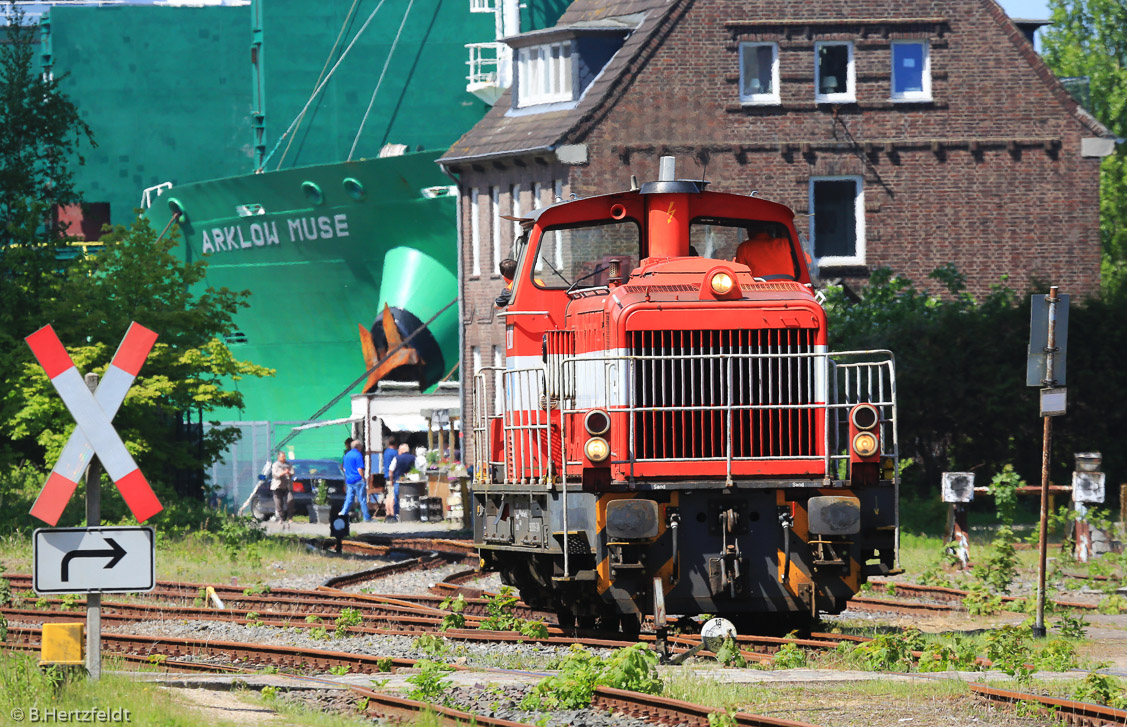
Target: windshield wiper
x,y
591,274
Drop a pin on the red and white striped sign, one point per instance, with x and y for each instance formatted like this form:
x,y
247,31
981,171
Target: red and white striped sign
x,y
95,433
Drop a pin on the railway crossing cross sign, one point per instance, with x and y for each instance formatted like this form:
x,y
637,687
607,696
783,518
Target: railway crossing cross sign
x,y
94,560
95,433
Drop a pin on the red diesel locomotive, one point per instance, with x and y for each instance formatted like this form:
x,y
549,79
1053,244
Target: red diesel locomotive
x,y
669,423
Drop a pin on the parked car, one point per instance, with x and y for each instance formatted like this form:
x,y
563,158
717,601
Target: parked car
x,y
307,475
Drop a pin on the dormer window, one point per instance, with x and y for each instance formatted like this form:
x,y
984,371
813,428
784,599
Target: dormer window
x,y
555,66
546,74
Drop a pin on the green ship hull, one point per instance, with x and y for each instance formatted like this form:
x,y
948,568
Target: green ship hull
x,y
322,250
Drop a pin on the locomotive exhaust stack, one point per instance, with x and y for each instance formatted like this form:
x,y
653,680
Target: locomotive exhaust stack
x,y
669,430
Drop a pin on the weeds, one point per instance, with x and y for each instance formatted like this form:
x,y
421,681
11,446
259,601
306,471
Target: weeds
x,y
999,570
729,654
339,670
500,608
1057,655
981,602
1009,649
789,656
455,619
432,645
348,617
501,616
1101,689
885,652
959,655
430,683
721,719
1112,604
580,671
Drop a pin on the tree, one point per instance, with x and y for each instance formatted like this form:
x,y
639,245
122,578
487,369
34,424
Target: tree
x,y
136,277
1088,38
41,136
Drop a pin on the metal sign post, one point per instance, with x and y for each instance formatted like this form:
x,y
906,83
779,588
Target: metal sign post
x,y
93,520
1053,403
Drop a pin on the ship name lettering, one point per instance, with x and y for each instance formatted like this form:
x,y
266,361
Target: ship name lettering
x,y
223,239
307,229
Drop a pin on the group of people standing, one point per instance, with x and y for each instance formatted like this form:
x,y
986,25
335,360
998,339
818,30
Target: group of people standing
x,y
396,463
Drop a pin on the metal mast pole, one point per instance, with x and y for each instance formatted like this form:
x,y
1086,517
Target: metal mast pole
x,y
93,520
1046,446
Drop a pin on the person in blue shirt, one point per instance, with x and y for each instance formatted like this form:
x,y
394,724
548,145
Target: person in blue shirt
x,y
388,455
354,482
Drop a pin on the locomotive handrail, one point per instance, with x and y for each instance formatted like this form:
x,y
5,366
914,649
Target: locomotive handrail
x,y
527,406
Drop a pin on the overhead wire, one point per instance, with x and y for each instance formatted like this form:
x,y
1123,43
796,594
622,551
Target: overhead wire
x,y
328,59
322,84
386,63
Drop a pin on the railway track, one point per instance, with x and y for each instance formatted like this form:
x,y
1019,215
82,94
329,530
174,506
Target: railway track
x,y
153,648
1067,711
939,599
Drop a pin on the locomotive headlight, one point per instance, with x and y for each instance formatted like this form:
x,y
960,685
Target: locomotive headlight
x,y
865,444
596,449
865,416
721,283
596,422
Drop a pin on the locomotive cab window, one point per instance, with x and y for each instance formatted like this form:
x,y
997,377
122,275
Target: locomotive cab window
x,y
580,255
765,247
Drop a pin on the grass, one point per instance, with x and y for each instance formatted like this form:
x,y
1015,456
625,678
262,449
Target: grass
x,y
25,687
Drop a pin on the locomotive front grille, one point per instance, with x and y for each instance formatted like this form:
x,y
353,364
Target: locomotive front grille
x,y
698,393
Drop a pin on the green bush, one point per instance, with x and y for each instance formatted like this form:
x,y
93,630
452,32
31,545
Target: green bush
x,y
1101,689
580,672
1008,647
430,683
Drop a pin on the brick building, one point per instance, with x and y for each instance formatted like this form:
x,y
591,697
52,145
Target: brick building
x,y
906,135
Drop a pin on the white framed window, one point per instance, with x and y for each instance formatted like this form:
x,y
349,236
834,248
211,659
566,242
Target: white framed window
x,y
759,73
475,354
834,79
482,6
514,195
475,231
837,220
911,70
495,229
545,74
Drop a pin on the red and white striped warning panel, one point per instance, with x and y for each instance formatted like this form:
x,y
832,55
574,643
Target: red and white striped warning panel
x,y
93,414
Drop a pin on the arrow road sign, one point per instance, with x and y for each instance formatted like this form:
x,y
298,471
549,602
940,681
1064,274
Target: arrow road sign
x,y
95,433
115,553
94,560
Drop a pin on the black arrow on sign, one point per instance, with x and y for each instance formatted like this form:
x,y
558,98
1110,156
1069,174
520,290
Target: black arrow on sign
x,y
115,553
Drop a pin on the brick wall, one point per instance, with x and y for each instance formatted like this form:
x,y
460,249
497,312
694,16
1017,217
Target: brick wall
x,y
987,175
